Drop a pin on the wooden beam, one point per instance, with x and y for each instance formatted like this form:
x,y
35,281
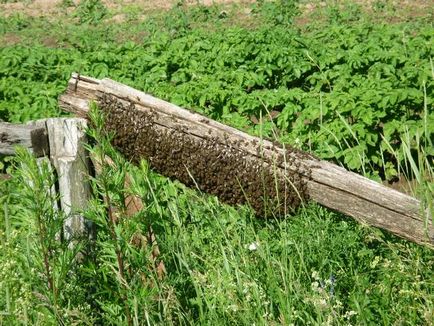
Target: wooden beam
x,y
237,167
32,136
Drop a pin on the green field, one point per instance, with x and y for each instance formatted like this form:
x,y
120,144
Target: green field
x,y
350,82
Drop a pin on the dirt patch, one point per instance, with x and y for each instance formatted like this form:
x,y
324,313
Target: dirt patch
x,y
386,10
35,8
39,8
50,42
389,11
10,39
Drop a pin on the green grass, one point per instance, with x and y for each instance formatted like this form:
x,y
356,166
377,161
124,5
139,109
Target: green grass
x,y
224,265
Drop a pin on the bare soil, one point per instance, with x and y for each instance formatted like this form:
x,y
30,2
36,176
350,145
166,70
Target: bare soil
x,y
396,10
387,11
10,39
37,8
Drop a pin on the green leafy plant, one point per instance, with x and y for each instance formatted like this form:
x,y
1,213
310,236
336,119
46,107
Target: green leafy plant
x,y
278,12
91,11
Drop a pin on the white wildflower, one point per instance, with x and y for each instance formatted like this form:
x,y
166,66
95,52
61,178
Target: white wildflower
x,y
349,314
253,246
315,275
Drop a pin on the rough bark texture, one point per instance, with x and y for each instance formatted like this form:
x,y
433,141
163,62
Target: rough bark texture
x,y
237,167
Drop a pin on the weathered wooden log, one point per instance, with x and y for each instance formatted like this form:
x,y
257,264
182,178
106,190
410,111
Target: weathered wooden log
x,y
69,157
32,136
237,167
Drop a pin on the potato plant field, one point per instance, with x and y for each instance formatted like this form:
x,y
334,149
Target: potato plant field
x,y
351,82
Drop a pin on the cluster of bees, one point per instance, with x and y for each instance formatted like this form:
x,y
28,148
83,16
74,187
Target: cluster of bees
x,y
229,172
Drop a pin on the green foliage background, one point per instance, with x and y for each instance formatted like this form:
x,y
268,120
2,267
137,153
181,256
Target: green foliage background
x,y
346,87
348,92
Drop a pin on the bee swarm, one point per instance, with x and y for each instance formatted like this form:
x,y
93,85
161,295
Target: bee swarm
x,y
223,169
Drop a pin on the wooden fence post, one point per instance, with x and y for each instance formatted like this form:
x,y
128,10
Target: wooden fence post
x,y
69,158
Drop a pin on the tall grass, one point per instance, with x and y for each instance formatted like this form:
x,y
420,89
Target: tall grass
x,y
224,266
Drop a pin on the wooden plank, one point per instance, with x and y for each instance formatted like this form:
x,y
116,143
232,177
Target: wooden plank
x,y
75,105
32,136
231,164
